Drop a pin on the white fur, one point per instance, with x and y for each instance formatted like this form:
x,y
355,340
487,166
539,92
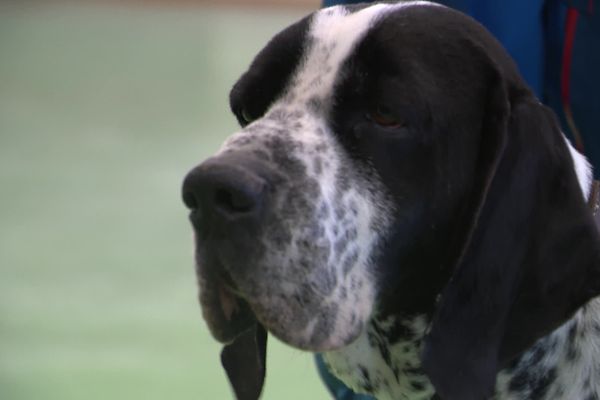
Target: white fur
x,y
572,375
582,168
387,383
335,32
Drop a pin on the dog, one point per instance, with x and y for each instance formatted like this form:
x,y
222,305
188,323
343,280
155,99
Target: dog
x,y
398,200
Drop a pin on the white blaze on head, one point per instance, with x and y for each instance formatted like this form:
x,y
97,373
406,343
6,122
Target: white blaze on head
x,y
333,35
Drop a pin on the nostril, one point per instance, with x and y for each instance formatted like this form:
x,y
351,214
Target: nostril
x,y
234,201
189,199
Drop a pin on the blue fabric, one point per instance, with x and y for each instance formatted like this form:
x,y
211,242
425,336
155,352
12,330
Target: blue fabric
x,y
522,35
335,386
533,33
585,74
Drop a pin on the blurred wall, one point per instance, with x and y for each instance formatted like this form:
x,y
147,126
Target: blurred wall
x,y
103,110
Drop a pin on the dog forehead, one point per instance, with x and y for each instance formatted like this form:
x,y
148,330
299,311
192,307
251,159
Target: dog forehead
x,y
333,35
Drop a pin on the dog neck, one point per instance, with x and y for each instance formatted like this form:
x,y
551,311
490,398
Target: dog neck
x,y
385,359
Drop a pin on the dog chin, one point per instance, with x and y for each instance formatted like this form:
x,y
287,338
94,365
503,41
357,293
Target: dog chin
x,y
322,333
228,315
304,342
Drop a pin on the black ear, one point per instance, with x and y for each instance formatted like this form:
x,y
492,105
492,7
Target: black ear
x,y
531,255
269,73
245,363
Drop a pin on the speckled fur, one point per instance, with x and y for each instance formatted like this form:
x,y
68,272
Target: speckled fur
x,y
562,365
322,232
319,235
385,360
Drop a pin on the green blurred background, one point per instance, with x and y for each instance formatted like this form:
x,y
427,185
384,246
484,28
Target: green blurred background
x,y
103,109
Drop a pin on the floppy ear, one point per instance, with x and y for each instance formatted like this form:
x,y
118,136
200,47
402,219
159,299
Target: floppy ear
x,y
244,361
530,257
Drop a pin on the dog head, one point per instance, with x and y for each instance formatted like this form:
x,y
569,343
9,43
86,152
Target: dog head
x,y
390,161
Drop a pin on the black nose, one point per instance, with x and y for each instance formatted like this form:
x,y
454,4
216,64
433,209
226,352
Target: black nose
x,y
225,189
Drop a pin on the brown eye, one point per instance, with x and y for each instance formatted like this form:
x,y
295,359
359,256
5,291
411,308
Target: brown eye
x,y
383,116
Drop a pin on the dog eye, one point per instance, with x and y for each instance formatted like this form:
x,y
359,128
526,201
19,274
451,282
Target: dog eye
x,y
384,117
246,116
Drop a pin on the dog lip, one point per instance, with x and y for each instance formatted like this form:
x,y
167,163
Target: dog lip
x,y
228,284
235,317
229,305
226,312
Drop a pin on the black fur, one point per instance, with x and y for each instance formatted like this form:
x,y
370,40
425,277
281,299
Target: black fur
x,y
253,94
